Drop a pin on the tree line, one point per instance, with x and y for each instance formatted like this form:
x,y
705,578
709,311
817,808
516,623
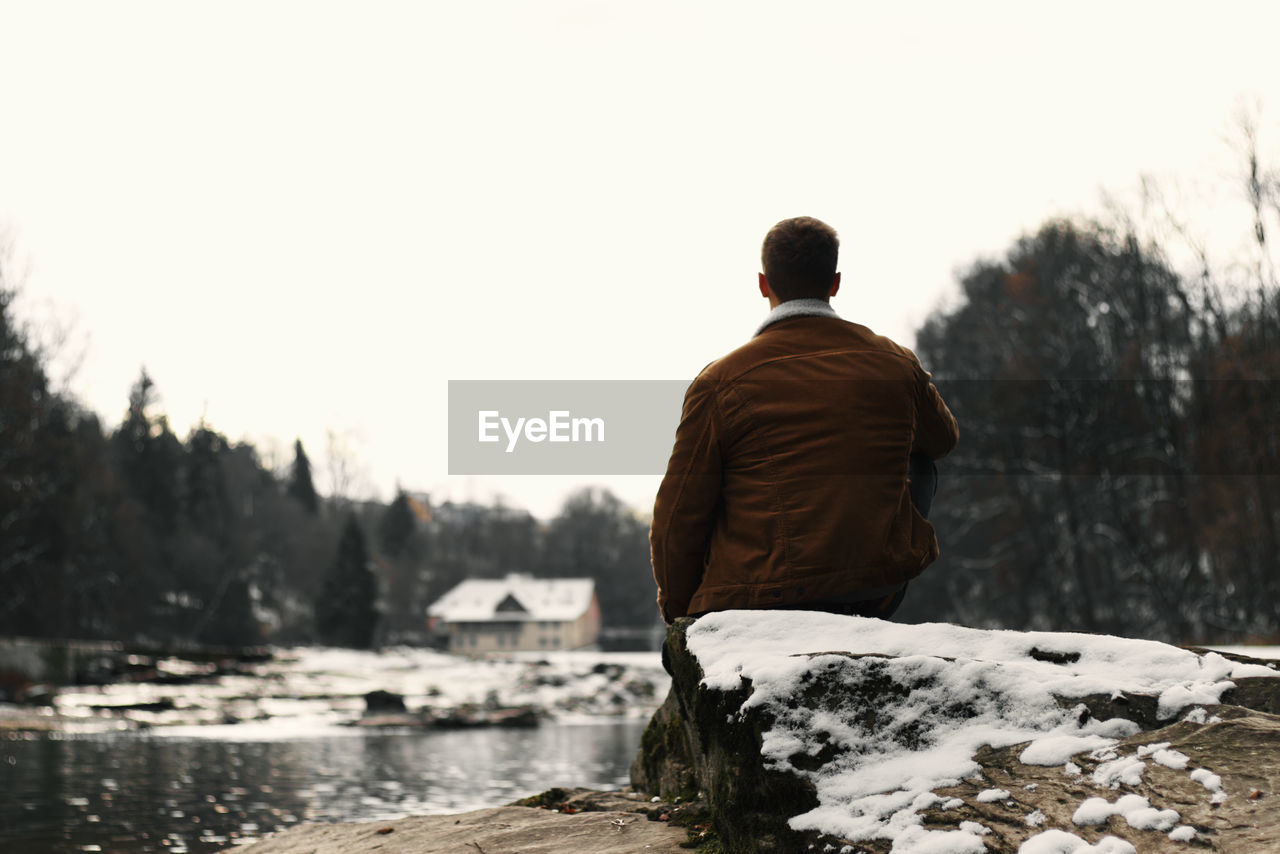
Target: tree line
x,y
137,534
1119,463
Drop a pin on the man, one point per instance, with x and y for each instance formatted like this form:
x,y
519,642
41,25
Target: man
x,y
788,484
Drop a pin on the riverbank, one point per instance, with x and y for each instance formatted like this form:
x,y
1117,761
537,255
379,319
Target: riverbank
x,y
313,689
578,820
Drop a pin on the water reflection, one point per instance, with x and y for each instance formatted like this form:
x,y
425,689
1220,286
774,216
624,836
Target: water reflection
x,y
138,793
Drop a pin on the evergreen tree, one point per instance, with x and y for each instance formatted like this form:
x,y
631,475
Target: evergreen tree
x,y
207,505
300,485
396,526
149,457
232,621
346,611
403,546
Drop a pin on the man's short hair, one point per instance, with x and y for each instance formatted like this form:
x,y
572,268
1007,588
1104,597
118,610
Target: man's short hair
x,y
799,257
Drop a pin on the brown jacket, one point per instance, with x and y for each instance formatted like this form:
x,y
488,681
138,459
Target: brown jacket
x,y
788,480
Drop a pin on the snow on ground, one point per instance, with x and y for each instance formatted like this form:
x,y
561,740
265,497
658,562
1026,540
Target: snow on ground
x,y
306,691
1252,651
988,690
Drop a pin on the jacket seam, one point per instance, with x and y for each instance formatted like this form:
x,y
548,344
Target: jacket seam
x,y
815,354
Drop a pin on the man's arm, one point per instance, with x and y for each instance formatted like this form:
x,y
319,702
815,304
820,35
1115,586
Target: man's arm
x,y
936,429
685,508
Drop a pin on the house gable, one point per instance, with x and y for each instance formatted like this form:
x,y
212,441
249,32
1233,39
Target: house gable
x,y
510,605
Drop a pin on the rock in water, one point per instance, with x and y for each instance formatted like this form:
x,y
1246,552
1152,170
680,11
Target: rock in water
x,y
808,729
383,701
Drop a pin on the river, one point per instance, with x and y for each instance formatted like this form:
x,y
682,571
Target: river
x,y
132,792
196,764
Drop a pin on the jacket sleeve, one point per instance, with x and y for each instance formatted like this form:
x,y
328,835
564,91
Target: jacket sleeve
x,y
684,511
936,430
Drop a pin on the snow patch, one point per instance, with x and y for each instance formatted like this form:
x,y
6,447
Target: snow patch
x,y
1092,811
1061,842
1208,779
1177,697
1057,749
1162,755
1125,769
917,840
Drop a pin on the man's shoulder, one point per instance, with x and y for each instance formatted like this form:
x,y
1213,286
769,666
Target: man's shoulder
x,y
799,337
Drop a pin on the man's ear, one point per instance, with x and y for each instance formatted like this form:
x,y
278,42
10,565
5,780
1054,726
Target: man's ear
x,y
835,286
764,286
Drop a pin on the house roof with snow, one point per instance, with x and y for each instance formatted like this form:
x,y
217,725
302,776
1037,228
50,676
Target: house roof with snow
x,y
515,598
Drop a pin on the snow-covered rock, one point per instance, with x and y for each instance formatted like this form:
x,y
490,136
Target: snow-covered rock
x,y
809,729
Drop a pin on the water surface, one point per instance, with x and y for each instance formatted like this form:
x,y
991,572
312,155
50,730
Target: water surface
x,y
189,793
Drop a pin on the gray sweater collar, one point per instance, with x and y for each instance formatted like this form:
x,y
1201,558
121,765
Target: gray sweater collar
x,y
797,308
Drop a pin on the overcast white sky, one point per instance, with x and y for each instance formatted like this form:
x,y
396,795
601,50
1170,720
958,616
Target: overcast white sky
x,y
304,217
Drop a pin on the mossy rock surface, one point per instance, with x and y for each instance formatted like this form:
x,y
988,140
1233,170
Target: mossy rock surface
x,y
699,746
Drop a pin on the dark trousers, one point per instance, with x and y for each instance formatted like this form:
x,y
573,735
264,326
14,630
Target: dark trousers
x,y
922,477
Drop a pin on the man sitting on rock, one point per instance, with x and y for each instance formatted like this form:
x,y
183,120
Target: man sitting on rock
x,y
803,469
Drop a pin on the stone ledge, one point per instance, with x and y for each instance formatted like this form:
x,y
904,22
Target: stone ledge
x,y
601,823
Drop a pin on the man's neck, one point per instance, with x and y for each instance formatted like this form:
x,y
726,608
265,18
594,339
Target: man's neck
x,y
807,307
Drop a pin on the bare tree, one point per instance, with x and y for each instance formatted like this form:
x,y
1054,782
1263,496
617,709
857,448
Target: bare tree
x,y
348,478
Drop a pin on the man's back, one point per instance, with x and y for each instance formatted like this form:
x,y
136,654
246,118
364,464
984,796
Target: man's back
x,y
788,481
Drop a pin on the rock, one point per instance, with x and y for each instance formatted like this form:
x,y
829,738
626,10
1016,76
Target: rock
x,y
590,823
164,704
694,746
469,715
378,702
612,671
1243,749
465,716
933,738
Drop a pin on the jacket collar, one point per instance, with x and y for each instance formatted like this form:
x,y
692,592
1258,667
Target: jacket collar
x,y
797,308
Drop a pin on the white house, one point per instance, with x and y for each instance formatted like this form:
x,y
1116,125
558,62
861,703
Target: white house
x,y
518,612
